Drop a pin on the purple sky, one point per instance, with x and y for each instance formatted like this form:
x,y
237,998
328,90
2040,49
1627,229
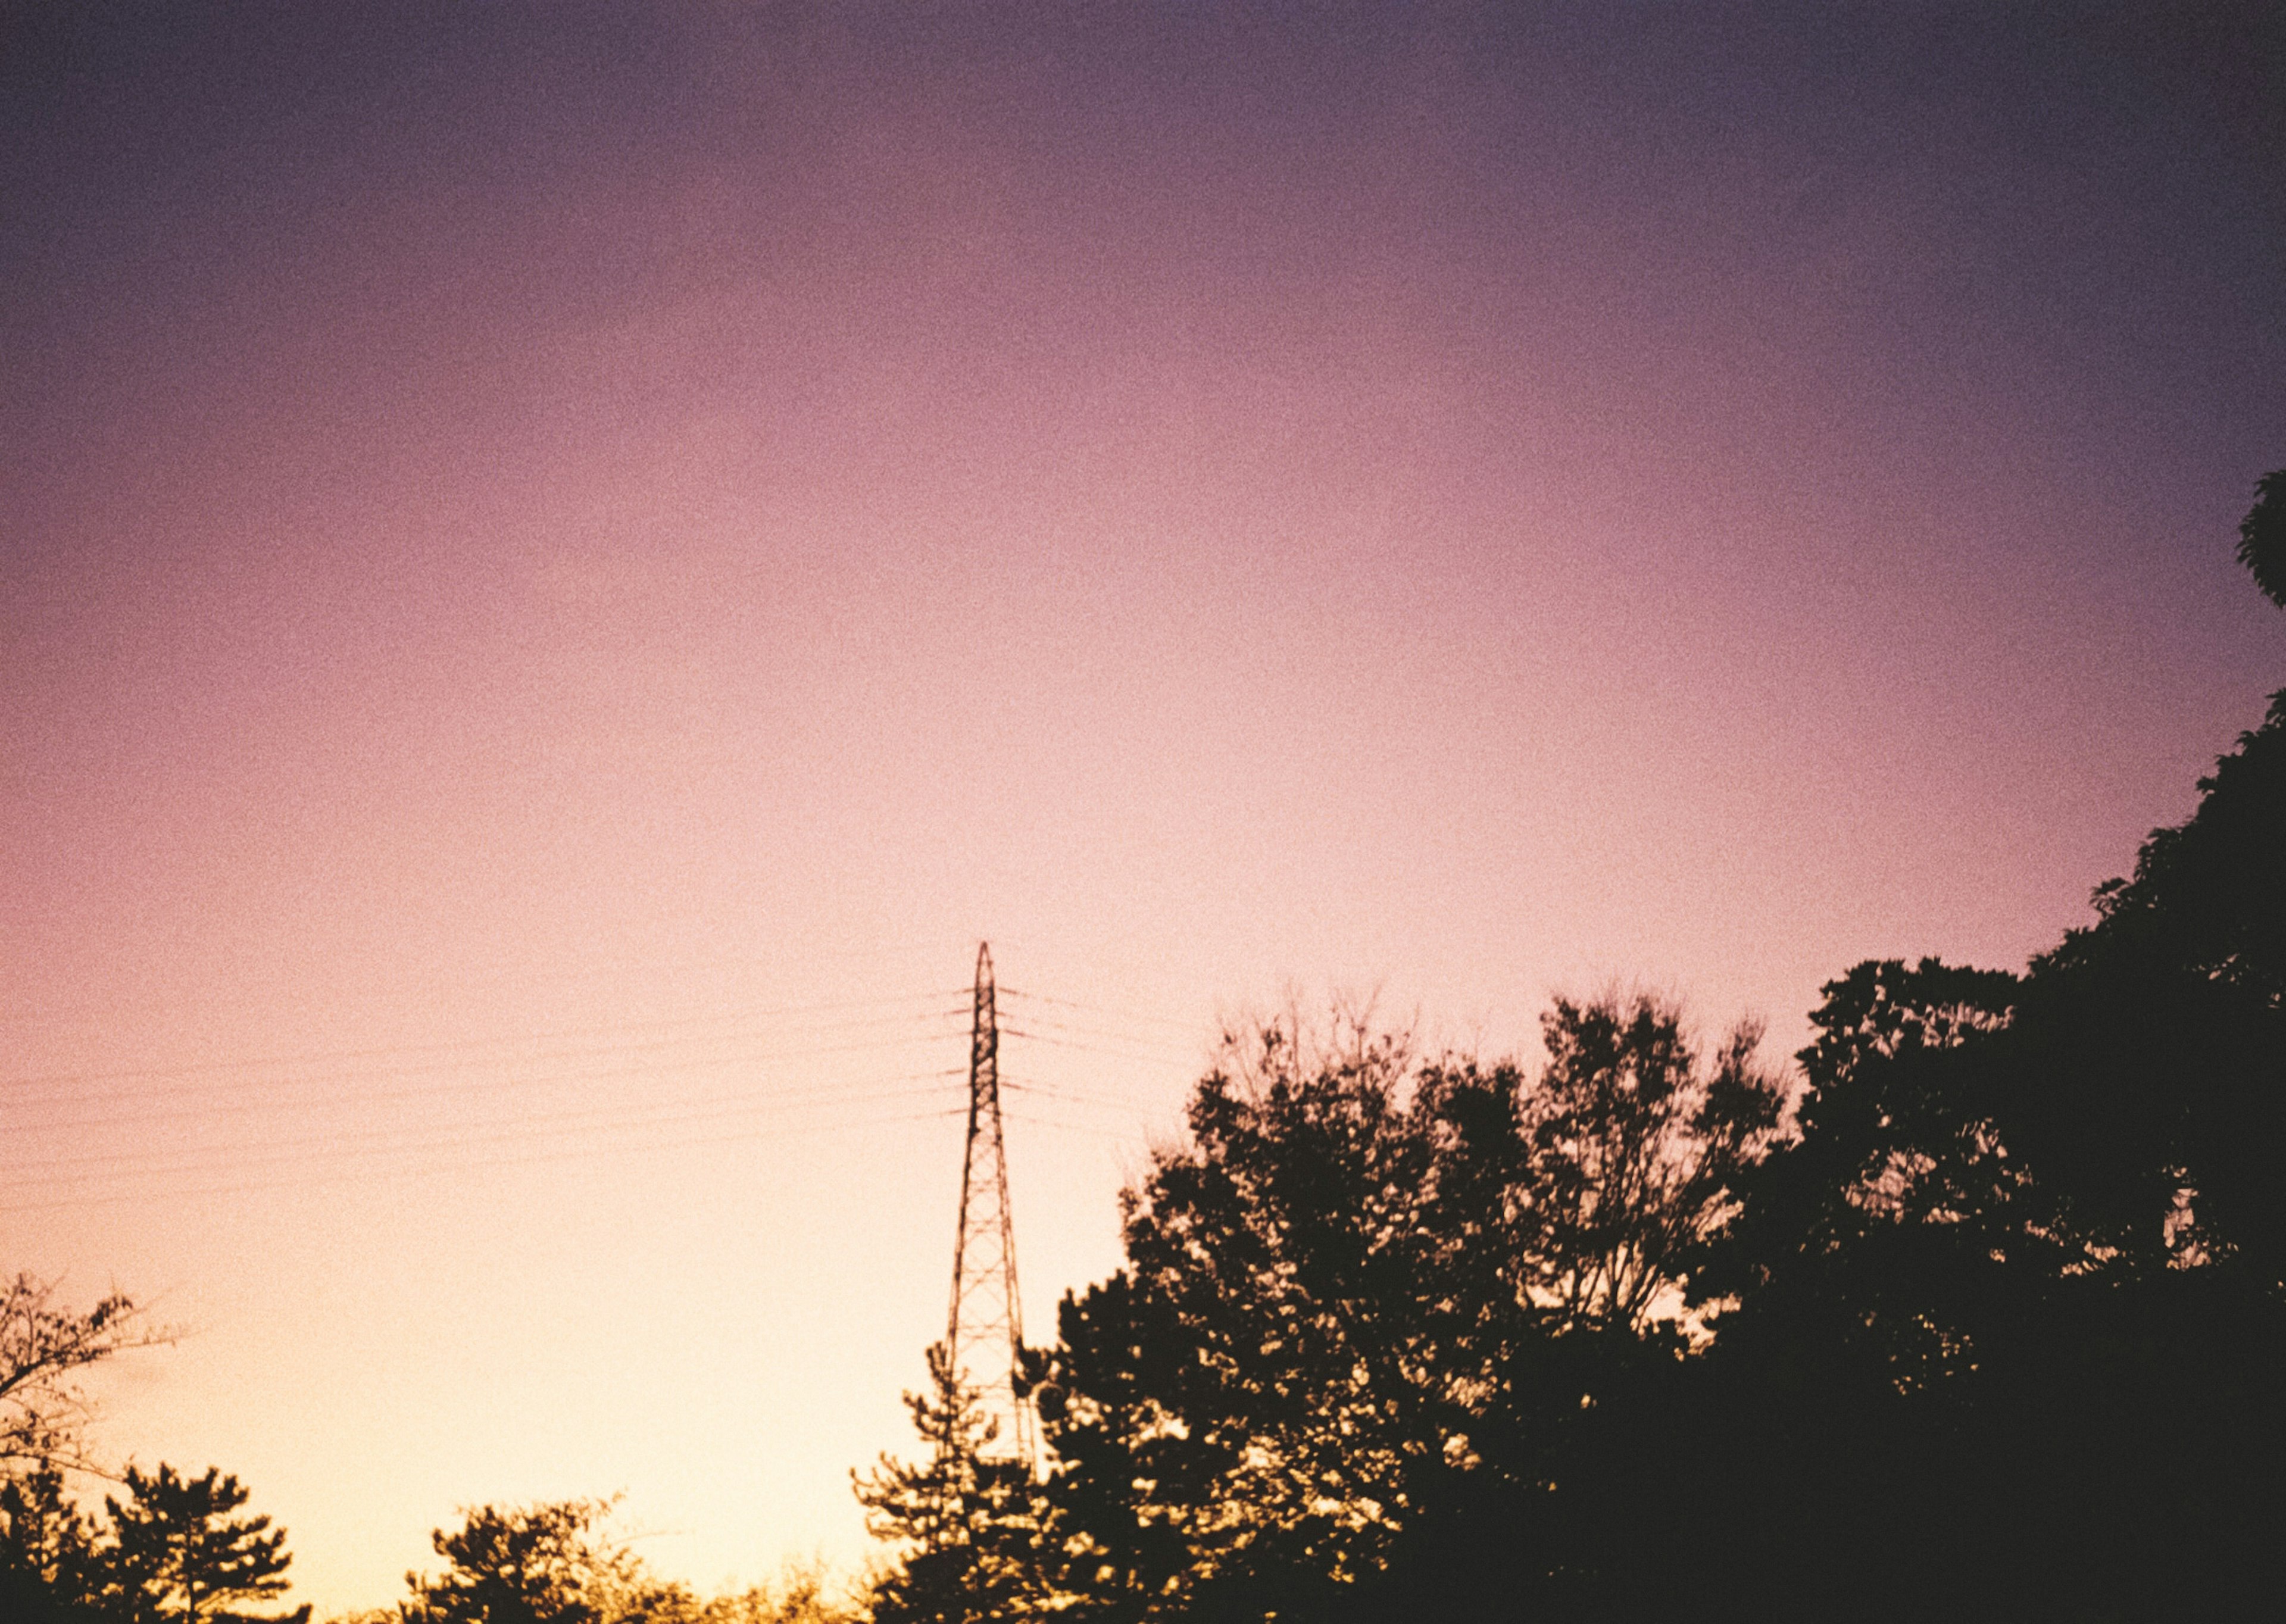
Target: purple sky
x,y
541,545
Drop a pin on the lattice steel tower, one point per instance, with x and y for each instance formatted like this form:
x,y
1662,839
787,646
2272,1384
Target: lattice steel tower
x,y
984,1332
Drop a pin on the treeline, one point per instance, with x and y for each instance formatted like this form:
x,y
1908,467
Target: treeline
x,y
172,1553
169,1547
1981,1314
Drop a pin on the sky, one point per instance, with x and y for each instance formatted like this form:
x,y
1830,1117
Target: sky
x,y
561,567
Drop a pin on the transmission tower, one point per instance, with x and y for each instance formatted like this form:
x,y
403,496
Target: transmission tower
x,y
984,1332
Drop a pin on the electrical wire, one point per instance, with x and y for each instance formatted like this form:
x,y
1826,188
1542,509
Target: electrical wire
x,y
394,1175
208,1093
1049,1092
280,1090
1173,1056
1068,1043
1029,1121
461,1045
588,1119
1097,1009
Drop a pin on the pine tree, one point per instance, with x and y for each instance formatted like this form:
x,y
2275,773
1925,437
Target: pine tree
x,y
47,1552
176,1556
550,1564
968,1527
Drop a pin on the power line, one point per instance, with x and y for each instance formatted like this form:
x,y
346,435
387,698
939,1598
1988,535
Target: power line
x,y
1072,1127
461,1045
1099,1009
1173,1053
282,1088
391,1175
209,1111
1050,1091
344,1086
381,1137
389,1140
1086,1048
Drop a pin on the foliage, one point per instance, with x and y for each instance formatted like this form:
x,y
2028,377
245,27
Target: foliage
x,y
964,1526
802,1594
1969,1364
1635,1151
2262,537
1986,1331
547,1563
48,1561
558,1563
170,1551
50,1566
176,1553
2029,1256
2153,1087
1368,1300
1882,1221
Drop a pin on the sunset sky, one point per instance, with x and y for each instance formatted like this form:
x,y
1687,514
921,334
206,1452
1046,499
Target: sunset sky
x,y
561,567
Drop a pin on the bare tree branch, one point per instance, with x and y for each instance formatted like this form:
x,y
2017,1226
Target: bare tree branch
x,y
43,1410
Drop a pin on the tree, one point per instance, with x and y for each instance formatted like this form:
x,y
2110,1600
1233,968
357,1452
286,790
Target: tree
x,y
176,1552
1248,1415
46,1555
1635,1149
1998,1341
547,1563
965,1527
2262,537
557,1563
42,1348
2154,1041
1368,1302
1883,1219
47,1552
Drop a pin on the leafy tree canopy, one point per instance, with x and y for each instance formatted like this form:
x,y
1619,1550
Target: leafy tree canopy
x,y
1369,1295
2262,537
559,1562
547,1563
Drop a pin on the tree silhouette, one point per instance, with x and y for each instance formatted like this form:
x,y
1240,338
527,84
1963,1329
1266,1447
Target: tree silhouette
x,y
1636,1147
2262,537
2153,1085
47,1564
42,1348
1881,1223
2029,1255
556,1562
543,1564
176,1553
965,1526
1365,1307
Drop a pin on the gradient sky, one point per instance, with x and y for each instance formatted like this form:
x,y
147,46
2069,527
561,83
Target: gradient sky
x,y
561,567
